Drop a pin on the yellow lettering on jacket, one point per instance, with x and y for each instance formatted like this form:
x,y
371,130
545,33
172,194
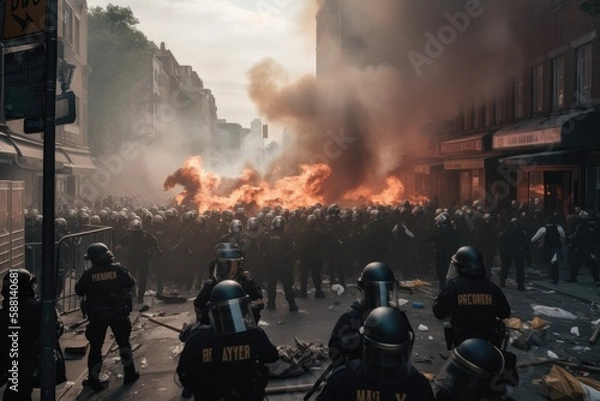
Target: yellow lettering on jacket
x,y
401,397
475,299
207,355
367,395
236,353
104,276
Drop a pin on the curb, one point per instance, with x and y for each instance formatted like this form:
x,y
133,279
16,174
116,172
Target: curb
x,y
77,384
570,293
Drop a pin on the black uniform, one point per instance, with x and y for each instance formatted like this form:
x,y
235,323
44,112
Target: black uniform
x,y
227,367
351,383
140,246
378,241
345,341
277,248
310,253
474,305
107,290
446,240
514,243
247,283
586,241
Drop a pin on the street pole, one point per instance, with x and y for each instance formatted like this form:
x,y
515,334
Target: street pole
x,y
48,341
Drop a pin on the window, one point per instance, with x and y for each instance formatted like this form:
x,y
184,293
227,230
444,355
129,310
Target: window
x,y
518,101
538,88
583,83
67,23
558,82
499,108
76,37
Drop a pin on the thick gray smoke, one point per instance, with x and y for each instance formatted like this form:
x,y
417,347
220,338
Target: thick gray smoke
x,y
399,65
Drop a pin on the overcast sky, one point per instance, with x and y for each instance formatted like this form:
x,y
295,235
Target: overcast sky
x,y
222,39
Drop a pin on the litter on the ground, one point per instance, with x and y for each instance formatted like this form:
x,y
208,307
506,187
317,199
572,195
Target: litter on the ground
x,y
549,292
263,323
150,293
514,323
414,283
143,363
295,362
552,311
402,301
551,355
539,324
338,288
430,338
597,321
575,331
422,327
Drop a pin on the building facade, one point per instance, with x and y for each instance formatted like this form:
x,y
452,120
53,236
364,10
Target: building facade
x,y
21,154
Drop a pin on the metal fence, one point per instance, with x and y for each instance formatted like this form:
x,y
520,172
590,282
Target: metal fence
x,y
71,264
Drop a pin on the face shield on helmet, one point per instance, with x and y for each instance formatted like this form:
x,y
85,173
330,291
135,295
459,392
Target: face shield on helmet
x,y
228,261
467,371
379,293
229,309
387,345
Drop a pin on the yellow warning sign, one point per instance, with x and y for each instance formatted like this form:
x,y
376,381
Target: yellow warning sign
x,y
23,17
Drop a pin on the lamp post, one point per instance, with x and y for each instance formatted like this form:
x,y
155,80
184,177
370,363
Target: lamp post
x,y
65,75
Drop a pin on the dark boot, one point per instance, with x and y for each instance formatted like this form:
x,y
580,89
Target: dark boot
x,y
95,384
554,272
271,305
131,375
319,293
303,292
292,306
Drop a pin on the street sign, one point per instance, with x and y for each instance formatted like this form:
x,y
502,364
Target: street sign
x,y
23,18
24,80
65,114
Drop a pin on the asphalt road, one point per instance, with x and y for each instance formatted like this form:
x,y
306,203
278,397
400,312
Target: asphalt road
x,y
157,355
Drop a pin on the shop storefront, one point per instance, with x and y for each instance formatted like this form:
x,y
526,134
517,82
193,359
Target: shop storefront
x,y
466,164
553,162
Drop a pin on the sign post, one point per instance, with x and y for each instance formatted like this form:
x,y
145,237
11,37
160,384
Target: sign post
x,y
48,342
24,18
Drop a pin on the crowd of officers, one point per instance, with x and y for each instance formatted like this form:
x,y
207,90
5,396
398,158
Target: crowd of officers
x,y
371,344
317,241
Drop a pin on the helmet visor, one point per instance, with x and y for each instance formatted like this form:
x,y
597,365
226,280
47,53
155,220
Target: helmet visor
x,y
461,378
230,317
387,362
379,293
227,268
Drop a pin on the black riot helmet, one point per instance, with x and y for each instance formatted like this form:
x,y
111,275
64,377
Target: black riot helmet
x,y
229,309
471,366
99,254
387,345
24,281
378,285
228,260
236,226
469,262
278,223
311,221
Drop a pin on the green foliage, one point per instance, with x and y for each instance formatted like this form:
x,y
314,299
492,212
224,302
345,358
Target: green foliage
x,y
119,56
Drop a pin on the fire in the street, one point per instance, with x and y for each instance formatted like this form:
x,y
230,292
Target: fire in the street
x,y
207,190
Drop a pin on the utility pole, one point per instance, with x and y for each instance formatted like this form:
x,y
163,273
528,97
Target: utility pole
x,y
48,339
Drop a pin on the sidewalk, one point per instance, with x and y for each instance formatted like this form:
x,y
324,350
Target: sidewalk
x,y
584,290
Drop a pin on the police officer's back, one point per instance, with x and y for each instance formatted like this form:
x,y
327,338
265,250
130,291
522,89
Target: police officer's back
x,y
106,287
385,371
378,287
226,361
471,300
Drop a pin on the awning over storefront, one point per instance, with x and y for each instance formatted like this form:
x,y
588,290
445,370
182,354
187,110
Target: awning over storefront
x,y
61,157
28,149
474,143
79,159
569,130
6,148
467,164
558,157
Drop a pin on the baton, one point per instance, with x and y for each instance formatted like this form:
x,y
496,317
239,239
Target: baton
x,y
320,380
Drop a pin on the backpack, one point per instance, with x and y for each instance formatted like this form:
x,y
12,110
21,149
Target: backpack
x,y
552,238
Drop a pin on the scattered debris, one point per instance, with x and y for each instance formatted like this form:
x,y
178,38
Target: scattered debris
x,y
553,312
422,327
150,293
549,292
69,384
414,283
428,376
575,331
263,323
430,338
551,354
531,338
144,363
338,288
539,324
514,323
176,350
402,301
295,362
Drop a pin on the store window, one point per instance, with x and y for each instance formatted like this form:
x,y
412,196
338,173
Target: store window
x,y
538,88
67,23
558,82
536,186
583,80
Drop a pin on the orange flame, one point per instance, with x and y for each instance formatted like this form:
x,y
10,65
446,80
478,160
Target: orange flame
x,y
208,191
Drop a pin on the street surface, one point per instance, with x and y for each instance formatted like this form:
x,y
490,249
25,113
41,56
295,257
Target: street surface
x,y
157,356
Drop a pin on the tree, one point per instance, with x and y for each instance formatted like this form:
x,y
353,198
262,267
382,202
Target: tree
x,y
118,55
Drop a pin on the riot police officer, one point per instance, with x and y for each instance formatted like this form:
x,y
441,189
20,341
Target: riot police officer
x,y
586,241
378,287
310,254
385,371
472,372
277,249
471,300
106,287
228,265
446,240
226,361
22,284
